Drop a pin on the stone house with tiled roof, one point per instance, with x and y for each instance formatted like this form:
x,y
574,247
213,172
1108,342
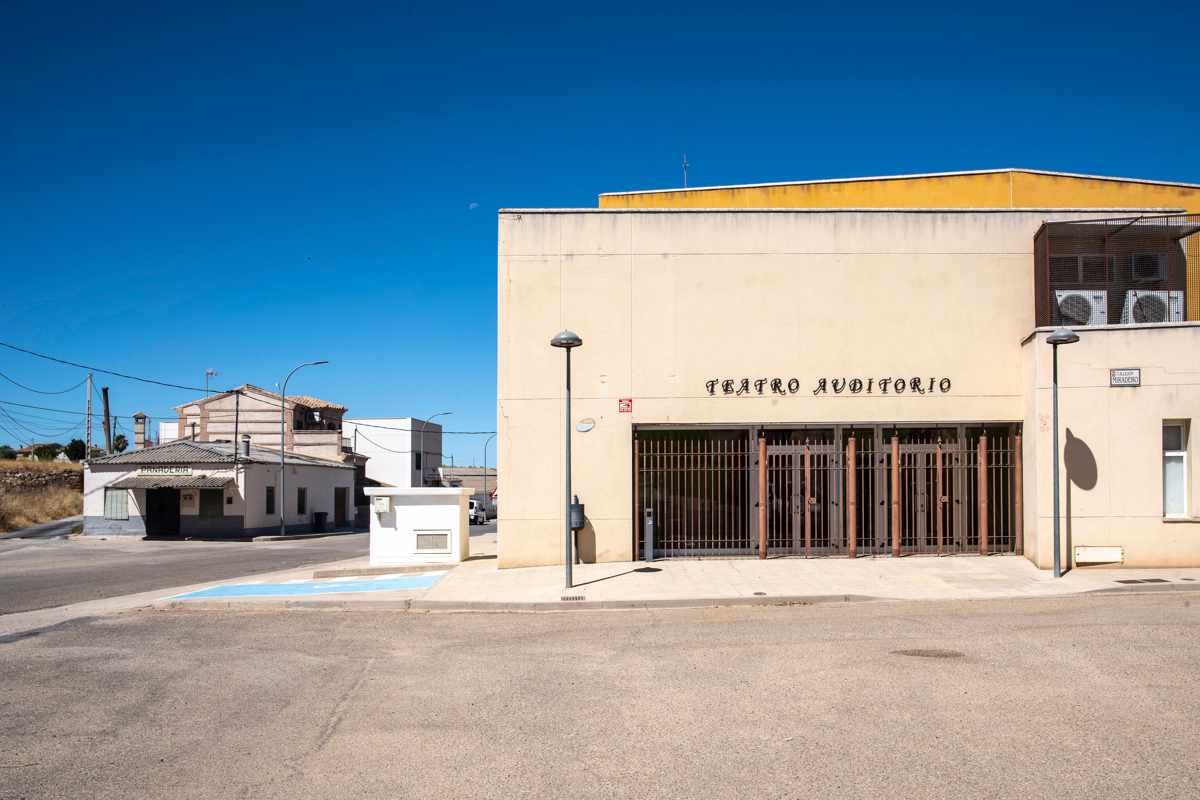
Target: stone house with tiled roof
x,y
312,426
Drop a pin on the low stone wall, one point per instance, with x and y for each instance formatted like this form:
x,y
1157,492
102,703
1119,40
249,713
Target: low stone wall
x,y
23,480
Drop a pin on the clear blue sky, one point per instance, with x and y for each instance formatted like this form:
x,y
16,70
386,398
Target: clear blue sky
x,y
247,189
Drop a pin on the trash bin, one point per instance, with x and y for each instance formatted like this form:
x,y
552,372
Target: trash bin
x,y
319,518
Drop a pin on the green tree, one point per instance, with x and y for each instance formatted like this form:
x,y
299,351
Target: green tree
x,y
7,453
75,449
120,443
46,452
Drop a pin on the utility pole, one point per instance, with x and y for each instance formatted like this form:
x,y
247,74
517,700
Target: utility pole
x,y
107,421
87,445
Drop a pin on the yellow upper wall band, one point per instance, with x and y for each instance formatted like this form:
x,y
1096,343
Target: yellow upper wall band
x,y
999,189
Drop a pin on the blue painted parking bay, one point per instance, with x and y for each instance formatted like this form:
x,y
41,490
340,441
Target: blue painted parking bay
x,y
329,586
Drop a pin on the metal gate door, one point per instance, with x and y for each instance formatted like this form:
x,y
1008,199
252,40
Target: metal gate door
x,y
805,498
847,490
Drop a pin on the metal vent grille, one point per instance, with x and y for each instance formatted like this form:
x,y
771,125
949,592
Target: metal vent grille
x,y
438,542
1111,264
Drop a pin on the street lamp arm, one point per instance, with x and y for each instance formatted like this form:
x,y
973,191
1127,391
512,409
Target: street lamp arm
x,y
282,499
424,425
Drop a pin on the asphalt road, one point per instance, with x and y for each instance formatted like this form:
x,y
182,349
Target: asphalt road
x,y
45,573
47,530
1084,697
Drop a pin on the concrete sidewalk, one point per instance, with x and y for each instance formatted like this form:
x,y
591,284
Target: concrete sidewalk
x,y
480,586
477,584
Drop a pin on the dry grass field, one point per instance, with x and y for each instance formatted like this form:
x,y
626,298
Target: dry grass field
x,y
38,491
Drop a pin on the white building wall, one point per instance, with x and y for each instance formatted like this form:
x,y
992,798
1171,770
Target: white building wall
x,y
320,482
390,442
415,511
247,496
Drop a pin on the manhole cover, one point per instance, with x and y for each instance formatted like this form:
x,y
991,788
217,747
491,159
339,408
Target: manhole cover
x,y
928,653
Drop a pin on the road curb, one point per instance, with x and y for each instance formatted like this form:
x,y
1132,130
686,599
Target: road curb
x,y
487,606
410,604
292,537
1150,588
367,572
593,605
267,603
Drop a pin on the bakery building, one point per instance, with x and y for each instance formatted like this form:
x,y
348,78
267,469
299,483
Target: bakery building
x,y
857,368
186,488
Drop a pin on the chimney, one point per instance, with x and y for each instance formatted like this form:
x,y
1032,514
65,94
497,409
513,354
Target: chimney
x,y
139,431
246,445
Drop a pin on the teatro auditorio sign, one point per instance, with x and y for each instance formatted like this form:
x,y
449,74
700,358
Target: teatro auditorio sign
x,y
889,385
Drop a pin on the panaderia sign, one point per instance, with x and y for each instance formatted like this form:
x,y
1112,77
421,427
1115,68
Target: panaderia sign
x,y
890,385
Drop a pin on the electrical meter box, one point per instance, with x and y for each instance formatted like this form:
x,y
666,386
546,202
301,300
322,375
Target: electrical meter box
x,y
381,504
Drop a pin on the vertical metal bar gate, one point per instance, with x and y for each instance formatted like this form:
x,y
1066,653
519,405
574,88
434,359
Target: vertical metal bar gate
x,y
852,490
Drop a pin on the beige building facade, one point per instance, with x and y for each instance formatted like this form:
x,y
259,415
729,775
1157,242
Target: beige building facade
x,y
828,382
311,426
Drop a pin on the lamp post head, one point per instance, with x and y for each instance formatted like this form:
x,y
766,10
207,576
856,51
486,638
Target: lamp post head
x,y
317,363
1062,336
566,340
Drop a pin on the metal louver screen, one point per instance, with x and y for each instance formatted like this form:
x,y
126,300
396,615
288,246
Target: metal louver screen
x,y
438,542
1112,264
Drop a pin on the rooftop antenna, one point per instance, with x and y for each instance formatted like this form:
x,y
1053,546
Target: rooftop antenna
x,y
685,166
209,373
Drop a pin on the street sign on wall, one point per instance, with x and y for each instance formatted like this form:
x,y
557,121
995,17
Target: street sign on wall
x,y
625,405
1126,376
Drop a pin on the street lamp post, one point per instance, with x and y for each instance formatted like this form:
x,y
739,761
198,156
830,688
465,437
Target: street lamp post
x,y
1059,337
283,443
486,498
424,425
567,340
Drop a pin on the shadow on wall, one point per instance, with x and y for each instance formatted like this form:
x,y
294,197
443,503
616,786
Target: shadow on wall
x,y
1080,464
585,543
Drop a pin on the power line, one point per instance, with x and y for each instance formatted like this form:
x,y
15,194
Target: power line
x,y
381,447
229,415
24,420
42,434
42,391
125,375
65,410
15,438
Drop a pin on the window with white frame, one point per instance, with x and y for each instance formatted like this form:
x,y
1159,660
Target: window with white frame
x,y
1175,469
116,503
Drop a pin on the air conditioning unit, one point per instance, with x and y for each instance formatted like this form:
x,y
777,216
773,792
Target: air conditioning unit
x,y
1148,267
1080,307
1152,306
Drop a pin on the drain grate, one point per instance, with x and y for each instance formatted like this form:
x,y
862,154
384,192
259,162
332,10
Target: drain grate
x,y
572,597
928,653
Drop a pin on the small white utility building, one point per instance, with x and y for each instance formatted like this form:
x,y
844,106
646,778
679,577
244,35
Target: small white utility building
x,y
418,526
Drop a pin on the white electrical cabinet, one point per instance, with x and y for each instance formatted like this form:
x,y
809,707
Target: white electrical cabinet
x,y
419,526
